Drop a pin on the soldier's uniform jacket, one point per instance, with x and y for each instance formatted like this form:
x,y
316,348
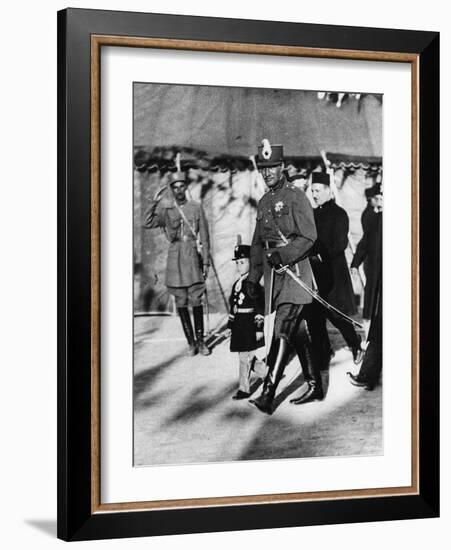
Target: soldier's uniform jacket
x,y
243,316
283,210
183,267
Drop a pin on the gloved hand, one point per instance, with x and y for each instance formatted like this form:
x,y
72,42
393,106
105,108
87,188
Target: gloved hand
x,y
274,259
251,289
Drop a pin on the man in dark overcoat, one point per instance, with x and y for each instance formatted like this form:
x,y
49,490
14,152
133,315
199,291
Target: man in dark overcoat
x,y
284,233
330,267
369,374
186,229
369,249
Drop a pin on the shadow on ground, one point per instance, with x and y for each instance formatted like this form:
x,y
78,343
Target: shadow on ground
x,y
347,430
195,405
147,378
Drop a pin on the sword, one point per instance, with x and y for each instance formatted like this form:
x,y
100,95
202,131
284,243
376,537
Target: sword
x,y
268,331
316,296
207,308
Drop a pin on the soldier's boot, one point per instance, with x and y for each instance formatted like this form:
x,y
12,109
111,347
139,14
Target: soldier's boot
x,y
198,315
188,330
265,401
311,372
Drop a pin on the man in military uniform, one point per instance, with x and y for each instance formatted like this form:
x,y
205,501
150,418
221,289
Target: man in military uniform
x,y
331,270
284,233
188,260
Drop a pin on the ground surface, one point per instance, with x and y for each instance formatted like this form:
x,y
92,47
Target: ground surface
x,y
184,412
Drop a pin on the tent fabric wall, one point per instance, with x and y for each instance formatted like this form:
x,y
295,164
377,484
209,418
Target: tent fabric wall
x,y
229,201
232,121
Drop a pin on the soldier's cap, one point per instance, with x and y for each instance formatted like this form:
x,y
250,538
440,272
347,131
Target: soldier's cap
x,y
177,176
269,155
320,177
373,191
241,251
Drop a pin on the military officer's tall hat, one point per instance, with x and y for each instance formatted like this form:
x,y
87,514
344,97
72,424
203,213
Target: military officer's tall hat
x,y
178,175
269,155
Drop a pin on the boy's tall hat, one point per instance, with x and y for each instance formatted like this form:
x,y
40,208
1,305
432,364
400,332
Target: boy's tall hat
x,y
241,250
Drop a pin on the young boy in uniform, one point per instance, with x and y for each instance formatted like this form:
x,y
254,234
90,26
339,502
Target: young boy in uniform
x,y
245,320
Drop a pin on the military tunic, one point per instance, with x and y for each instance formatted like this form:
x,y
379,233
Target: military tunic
x,y
183,267
283,213
244,312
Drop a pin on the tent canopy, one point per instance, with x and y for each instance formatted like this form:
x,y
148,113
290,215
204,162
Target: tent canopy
x,y
221,122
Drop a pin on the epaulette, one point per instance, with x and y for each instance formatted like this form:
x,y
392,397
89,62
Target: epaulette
x,y
295,189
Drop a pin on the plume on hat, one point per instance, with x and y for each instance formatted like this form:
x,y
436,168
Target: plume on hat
x,y
178,164
266,151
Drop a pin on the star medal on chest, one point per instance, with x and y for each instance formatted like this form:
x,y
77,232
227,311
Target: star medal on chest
x,y
279,206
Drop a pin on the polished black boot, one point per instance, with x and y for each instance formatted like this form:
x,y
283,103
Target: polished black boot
x,y
198,315
312,375
188,330
314,392
264,402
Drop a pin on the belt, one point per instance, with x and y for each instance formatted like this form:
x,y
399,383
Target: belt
x,y
184,239
245,310
274,244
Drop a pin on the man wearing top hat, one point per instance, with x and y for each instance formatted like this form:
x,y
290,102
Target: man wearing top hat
x,y
186,229
284,233
331,270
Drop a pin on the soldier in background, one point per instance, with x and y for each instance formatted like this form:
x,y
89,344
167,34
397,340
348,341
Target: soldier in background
x,y
284,233
186,229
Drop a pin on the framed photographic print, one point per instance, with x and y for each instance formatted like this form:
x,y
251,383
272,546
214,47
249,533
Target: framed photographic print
x,y
248,274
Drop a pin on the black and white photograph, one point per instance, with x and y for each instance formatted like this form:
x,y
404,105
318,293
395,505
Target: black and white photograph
x,y
257,274
225,296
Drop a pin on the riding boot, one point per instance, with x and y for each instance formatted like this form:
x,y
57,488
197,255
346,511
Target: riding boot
x,y
319,337
275,371
198,315
187,329
311,372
